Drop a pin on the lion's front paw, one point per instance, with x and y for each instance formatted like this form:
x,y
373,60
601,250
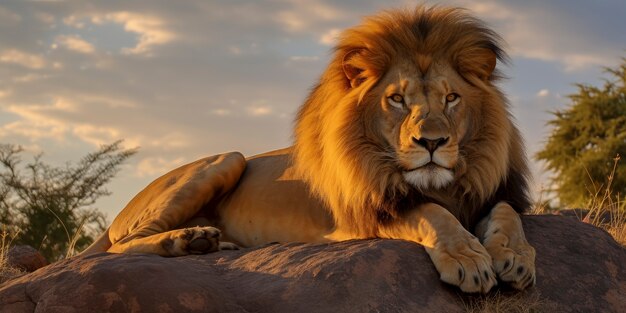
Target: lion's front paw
x,y
195,240
513,259
462,261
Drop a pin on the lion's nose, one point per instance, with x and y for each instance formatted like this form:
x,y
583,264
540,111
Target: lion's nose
x,y
431,144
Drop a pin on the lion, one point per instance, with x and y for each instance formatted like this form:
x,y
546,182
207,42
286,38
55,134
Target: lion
x,y
405,136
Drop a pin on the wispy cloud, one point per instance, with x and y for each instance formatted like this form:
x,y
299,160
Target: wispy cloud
x,y
8,16
330,37
74,21
302,58
556,32
75,43
543,93
260,110
221,112
22,58
154,166
302,15
150,29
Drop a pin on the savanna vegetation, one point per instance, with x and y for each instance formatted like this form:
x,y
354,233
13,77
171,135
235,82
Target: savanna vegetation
x,y
584,152
52,208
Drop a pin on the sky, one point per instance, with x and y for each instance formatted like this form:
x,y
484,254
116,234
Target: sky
x,y
186,79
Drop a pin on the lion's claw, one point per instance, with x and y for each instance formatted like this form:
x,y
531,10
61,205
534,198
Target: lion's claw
x,y
513,258
514,264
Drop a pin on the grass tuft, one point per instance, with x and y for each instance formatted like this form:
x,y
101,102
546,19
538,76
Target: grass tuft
x,y
607,210
519,302
6,271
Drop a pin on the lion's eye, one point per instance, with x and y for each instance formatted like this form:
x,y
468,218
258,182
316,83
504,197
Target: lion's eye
x,y
396,100
452,99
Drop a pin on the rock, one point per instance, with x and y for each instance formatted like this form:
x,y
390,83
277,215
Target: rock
x,y
585,215
25,258
580,268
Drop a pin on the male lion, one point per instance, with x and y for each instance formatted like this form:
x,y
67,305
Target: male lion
x,y
405,136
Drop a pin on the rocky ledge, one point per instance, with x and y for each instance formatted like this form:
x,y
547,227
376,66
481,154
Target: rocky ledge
x,y
580,268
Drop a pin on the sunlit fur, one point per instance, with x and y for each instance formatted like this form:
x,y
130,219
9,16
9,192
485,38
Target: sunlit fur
x,y
351,151
423,179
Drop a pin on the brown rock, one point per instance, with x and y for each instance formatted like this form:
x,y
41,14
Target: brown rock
x,y
579,269
25,258
587,216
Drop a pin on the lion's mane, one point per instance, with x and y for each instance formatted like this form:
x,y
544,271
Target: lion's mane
x,y
346,163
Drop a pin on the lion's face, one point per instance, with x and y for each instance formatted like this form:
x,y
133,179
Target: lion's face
x,y
424,118
408,109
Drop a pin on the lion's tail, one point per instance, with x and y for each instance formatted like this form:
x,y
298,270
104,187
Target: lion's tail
x,y
102,244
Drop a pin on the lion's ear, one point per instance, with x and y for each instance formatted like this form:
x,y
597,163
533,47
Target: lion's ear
x,y
480,62
351,70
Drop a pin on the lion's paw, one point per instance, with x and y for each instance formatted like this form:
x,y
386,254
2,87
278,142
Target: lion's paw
x,y
194,240
462,261
514,260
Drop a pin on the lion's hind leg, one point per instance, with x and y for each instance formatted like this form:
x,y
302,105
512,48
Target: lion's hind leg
x,y
151,222
503,236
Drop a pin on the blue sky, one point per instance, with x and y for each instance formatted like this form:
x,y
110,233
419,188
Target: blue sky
x,y
187,79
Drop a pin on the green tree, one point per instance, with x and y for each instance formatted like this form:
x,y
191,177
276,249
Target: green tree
x,y
586,138
51,208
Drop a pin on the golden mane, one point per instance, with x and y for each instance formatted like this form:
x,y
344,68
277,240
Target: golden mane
x,y
349,166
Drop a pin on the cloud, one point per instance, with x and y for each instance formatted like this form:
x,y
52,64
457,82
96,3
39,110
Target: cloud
x,y
291,21
45,18
330,37
54,121
96,135
35,120
9,17
22,58
301,15
234,50
557,31
221,112
543,93
33,124
150,29
74,21
259,110
30,77
301,58
154,166
75,43
33,132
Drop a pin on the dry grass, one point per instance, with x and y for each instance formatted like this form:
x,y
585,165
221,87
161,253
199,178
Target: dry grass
x,y
519,302
6,272
606,209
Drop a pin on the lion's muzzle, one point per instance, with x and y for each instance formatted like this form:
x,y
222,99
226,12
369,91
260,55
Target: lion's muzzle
x,y
430,144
